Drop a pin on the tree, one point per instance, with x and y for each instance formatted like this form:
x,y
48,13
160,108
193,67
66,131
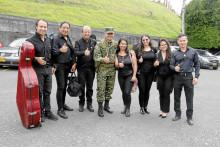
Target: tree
x,y
203,23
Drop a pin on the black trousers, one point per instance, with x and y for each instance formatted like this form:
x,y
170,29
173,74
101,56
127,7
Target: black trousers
x,y
186,82
86,77
144,84
45,85
61,77
165,86
126,86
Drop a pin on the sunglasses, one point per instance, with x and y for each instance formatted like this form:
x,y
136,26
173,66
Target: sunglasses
x,y
145,40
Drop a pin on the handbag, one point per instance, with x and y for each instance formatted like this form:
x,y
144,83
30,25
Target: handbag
x,y
74,89
135,85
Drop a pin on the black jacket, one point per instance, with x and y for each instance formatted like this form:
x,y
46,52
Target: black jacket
x,y
59,57
84,61
164,67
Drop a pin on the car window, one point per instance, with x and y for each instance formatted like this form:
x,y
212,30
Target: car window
x,y
217,54
204,53
17,43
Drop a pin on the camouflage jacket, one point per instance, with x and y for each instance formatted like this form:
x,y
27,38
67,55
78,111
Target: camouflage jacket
x,y
101,50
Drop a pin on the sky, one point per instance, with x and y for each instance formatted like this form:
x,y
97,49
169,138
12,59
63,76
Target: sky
x,y
177,5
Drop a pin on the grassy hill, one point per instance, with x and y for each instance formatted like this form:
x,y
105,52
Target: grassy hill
x,y
130,16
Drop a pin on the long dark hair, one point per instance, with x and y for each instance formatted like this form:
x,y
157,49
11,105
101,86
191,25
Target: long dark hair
x,y
141,46
118,47
168,51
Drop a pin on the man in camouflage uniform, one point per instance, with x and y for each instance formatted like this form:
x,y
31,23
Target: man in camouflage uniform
x,y
104,56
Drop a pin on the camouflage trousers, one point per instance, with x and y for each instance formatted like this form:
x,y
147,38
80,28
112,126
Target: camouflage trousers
x,y
105,86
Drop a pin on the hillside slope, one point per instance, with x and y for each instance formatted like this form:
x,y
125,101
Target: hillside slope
x,y
130,16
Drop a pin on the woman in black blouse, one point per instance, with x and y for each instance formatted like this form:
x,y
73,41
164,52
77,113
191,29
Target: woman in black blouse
x,y
146,58
164,76
126,63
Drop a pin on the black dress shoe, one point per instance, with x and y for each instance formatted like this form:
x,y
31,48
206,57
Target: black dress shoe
x,y
51,116
81,108
160,115
176,118
146,110
127,113
67,108
62,114
90,108
190,122
142,110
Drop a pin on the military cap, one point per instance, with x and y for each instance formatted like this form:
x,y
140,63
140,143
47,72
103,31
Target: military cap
x,y
109,30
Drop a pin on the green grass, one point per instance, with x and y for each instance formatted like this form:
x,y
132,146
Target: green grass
x,y
130,16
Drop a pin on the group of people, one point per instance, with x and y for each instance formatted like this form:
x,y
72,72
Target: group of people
x,y
144,63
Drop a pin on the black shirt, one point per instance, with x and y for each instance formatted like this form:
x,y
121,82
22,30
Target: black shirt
x,y
42,49
60,57
84,61
127,69
187,61
148,61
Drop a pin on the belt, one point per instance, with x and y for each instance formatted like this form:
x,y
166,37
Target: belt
x,y
106,65
184,74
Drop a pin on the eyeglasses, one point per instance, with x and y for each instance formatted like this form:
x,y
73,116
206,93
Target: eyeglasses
x,y
163,45
145,40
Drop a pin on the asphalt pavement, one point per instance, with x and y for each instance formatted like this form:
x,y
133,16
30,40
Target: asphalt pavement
x,y
83,129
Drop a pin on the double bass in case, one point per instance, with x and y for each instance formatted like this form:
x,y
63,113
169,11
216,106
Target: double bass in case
x,y
28,88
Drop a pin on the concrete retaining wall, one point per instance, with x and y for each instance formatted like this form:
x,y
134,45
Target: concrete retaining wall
x,y
13,27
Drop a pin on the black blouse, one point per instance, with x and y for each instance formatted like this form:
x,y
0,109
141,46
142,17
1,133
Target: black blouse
x,y
127,69
148,61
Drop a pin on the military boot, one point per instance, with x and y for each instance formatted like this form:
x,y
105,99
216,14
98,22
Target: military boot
x,y
100,110
107,108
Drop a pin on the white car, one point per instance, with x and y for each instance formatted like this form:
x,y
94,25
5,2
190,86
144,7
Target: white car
x,y
218,55
174,48
9,55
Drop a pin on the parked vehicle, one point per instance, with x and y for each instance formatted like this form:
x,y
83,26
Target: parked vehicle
x,y
9,55
218,56
174,48
207,60
1,45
